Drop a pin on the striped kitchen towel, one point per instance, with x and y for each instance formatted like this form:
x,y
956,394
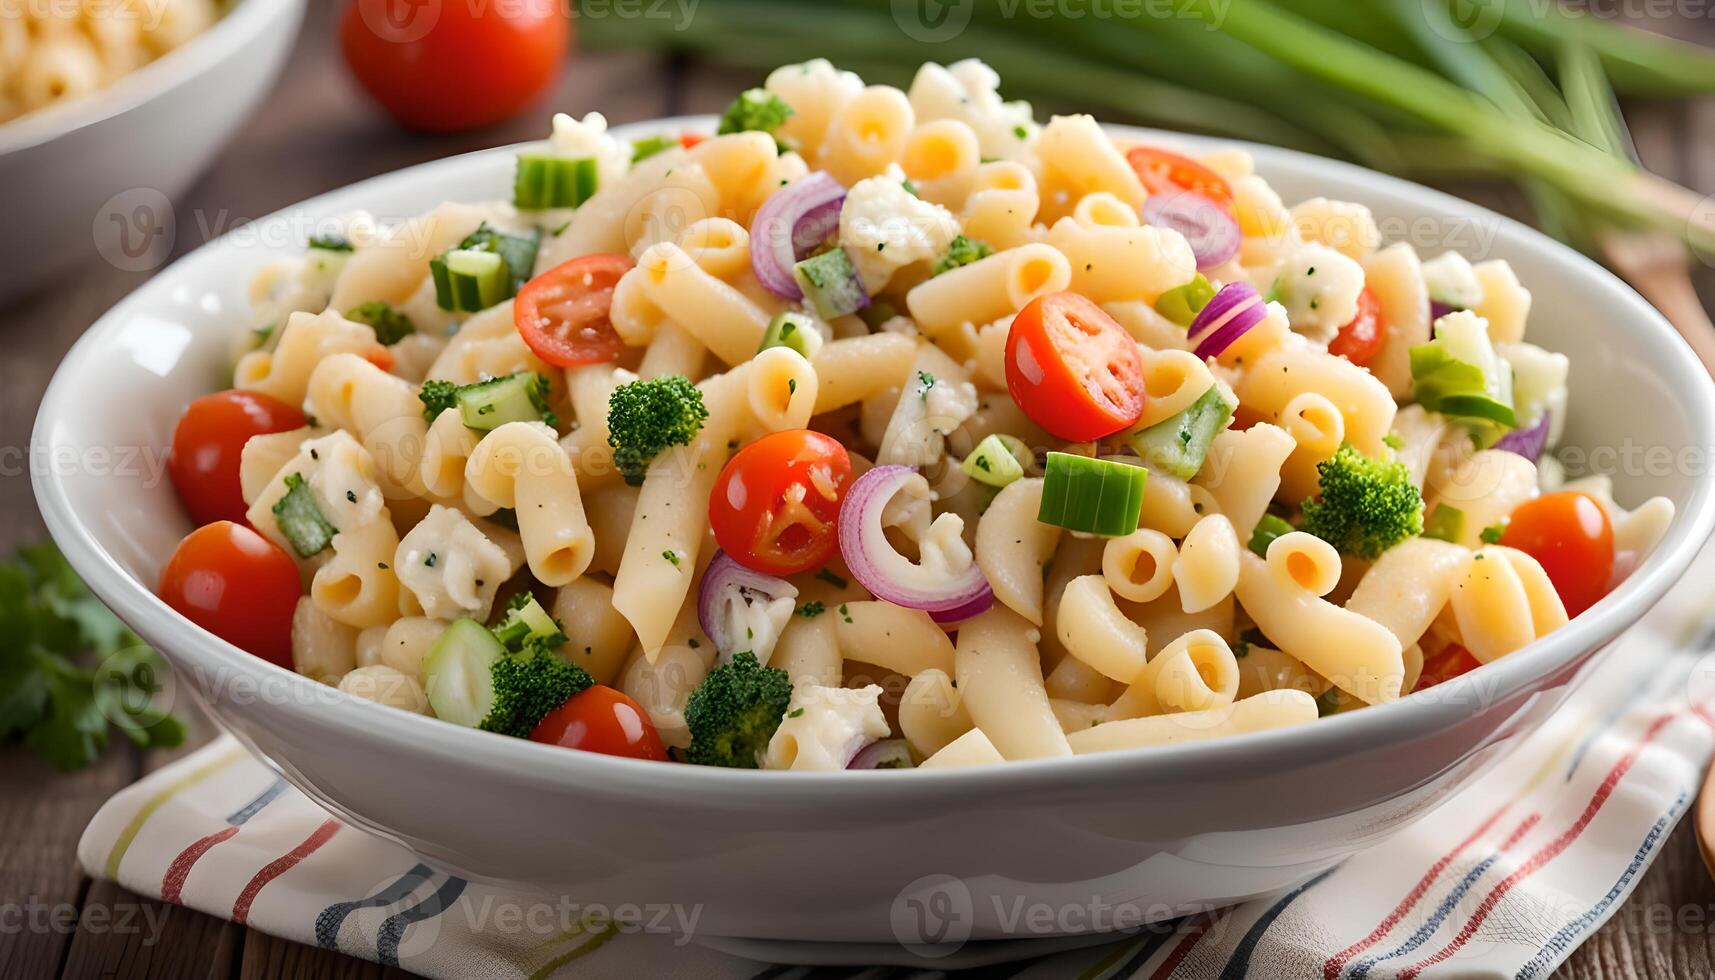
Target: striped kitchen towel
x,y
1503,881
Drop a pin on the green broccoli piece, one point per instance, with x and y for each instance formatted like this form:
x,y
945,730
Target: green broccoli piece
x,y
961,251
646,417
754,109
733,713
437,397
528,626
1367,506
529,685
390,325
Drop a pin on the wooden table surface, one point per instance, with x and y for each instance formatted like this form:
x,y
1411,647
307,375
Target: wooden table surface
x,y
316,133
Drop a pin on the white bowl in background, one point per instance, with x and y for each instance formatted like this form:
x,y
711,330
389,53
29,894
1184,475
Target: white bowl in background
x,y
832,857
104,167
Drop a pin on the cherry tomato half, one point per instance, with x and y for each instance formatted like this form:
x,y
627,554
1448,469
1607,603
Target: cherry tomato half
x,y
688,139
776,506
601,719
1072,369
236,584
1162,171
1452,661
447,65
562,314
1569,536
1361,338
207,442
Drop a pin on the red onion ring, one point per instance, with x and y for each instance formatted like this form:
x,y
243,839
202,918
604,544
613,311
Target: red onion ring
x,y
1212,232
1530,441
874,562
1230,315
1438,309
726,580
794,220
877,754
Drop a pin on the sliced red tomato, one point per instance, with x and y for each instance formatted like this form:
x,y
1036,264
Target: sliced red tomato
x,y
1569,535
601,719
236,584
776,506
1162,171
1072,369
1361,338
562,314
207,443
379,356
1451,662
688,139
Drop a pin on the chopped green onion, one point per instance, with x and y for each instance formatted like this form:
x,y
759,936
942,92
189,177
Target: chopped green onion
x,y
300,520
1445,523
390,325
1182,303
544,181
1270,527
1178,445
329,243
1459,374
992,462
1493,534
1096,496
831,283
518,397
794,330
648,146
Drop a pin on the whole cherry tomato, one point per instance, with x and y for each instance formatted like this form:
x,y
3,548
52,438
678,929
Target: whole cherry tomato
x,y
562,314
601,719
1569,535
447,65
1361,338
776,506
236,584
207,443
1072,369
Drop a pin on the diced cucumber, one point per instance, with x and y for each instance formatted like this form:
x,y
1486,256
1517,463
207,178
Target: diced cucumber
x,y
1178,445
831,283
1096,496
1182,303
470,280
992,462
545,181
1459,374
458,672
1445,523
518,397
526,620
794,330
1270,527
301,520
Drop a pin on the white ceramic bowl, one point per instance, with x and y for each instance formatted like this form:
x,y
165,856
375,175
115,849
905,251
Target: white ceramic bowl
x,y
95,175
836,857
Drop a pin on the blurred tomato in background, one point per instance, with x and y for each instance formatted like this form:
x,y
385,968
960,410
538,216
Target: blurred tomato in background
x,y
448,65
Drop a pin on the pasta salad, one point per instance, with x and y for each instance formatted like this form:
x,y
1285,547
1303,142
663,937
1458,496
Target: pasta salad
x,y
53,51
885,429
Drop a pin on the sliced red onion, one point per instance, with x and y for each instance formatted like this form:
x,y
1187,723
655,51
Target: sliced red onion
x,y
1212,232
792,222
1438,309
742,609
889,753
947,595
1529,441
1230,315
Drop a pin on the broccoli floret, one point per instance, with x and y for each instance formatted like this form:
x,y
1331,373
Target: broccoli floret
x,y
645,417
437,397
961,251
733,713
527,626
1367,506
529,685
754,109
389,324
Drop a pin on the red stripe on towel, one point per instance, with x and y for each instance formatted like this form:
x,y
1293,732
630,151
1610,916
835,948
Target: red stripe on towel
x,y
173,882
279,866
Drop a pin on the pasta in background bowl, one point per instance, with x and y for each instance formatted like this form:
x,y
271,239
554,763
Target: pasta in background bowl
x,y
117,119
1213,821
